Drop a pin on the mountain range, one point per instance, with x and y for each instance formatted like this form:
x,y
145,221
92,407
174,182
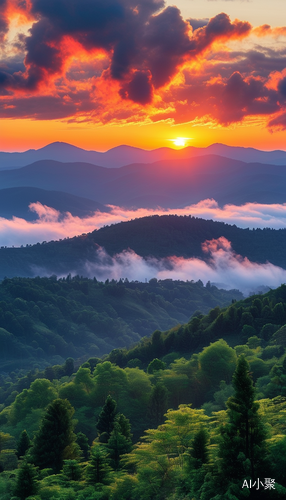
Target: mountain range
x,y
166,183
124,155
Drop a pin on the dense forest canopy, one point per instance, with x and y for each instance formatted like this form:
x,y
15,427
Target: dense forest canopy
x,y
197,411
45,320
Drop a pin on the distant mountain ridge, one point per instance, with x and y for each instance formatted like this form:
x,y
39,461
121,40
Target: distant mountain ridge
x,y
167,183
15,201
124,155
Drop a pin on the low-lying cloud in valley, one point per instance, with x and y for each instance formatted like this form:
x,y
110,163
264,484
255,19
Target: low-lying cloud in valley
x,y
223,266
53,225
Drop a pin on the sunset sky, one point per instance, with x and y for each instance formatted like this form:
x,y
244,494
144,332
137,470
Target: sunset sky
x,y
99,73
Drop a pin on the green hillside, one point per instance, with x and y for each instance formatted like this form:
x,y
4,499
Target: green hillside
x,y
44,320
76,433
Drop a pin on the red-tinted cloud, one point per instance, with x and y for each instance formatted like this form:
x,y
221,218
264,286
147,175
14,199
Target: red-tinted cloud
x,y
134,60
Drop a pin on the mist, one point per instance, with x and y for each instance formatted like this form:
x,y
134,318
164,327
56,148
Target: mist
x,y
222,265
54,225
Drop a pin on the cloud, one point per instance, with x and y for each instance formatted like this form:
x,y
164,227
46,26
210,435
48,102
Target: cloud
x,y
4,23
53,225
147,52
137,61
223,266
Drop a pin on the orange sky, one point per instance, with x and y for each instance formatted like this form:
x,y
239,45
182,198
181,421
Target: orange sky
x,y
117,72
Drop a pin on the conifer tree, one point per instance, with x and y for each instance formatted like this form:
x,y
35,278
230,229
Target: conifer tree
x,y
24,444
82,442
55,440
118,445
26,484
72,470
242,448
106,419
199,451
98,470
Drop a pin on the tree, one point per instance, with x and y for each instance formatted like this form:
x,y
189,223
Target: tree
x,y
158,403
118,444
24,444
82,441
199,451
242,448
26,484
155,365
55,441
106,419
72,470
98,470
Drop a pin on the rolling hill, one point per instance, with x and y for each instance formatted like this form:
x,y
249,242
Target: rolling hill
x,y
169,183
154,236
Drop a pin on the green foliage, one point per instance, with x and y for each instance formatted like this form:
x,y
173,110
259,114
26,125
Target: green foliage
x,y
45,319
72,470
24,444
242,448
218,361
158,403
106,419
55,440
118,444
199,451
155,365
98,470
26,484
82,442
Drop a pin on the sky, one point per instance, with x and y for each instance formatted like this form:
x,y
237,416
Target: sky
x,y
99,73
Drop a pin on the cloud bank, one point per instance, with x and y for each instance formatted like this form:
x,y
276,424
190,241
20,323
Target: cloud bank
x,y
223,266
53,225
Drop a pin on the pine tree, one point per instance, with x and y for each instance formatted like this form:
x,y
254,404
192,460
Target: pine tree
x,y
199,451
118,445
98,470
242,448
26,484
106,419
72,470
24,444
82,442
158,404
55,441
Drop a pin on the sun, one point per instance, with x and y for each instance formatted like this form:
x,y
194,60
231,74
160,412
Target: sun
x,y
180,141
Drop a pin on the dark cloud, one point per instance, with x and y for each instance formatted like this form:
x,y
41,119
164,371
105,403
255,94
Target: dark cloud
x,y
241,98
278,123
166,43
282,87
219,28
46,107
139,89
142,46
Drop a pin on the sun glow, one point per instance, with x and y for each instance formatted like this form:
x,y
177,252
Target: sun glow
x,y
180,141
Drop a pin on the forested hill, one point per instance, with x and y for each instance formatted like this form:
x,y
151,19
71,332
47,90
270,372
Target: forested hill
x,y
158,236
196,449
45,320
